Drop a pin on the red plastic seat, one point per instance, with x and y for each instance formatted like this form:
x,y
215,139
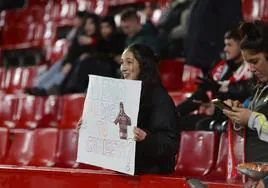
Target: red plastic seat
x,y
16,79
9,111
58,51
255,9
219,171
3,143
190,74
21,147
45,147
171,74
67,148
72,110
36,112
197,153
2,70
24,35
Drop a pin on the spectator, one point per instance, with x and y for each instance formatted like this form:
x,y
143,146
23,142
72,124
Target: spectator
x,y
106,60
156,132
83,44
77,23
209,21
219,82
254,46
136,32
111,44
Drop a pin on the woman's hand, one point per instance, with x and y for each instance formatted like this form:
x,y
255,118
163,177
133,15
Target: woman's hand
x,y
238,115
139,134
79,123
232,103
83,56
83,40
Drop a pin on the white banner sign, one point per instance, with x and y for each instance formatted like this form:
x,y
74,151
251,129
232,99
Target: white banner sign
x,y
109,117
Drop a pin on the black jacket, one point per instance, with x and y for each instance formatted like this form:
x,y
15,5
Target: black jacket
x,y
210,19
157,116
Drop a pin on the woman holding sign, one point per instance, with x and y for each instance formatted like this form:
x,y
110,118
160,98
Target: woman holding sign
x,y
156,134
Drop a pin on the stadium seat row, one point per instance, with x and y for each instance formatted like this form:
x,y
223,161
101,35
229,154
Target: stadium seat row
x,y
51,147
25,111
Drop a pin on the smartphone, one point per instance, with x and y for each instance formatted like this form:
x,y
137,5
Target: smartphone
x,y
221,105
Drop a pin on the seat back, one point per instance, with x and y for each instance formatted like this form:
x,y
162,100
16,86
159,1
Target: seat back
x,y
8,111
197,153
45,147
171,74
255,9
3,143
36,112
59,49
67,148
21,147
72,110
189,77
219,172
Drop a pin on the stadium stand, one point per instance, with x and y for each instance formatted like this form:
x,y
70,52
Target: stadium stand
x,y
38,142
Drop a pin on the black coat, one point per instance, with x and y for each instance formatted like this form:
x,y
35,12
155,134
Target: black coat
x,y
157,116
210,19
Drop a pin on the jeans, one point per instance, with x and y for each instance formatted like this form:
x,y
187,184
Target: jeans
x,y
52,77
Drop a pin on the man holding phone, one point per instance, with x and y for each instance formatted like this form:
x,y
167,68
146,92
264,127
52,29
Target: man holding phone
x,y
224,73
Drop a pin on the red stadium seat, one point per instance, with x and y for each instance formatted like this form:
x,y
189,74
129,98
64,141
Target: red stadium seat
x,y
197,153
255,9
16,79
190,74
72,110
45,147
219,172
36,112
171,74
8,111
21,147
2,70
58,51
3,143
67,148
29,73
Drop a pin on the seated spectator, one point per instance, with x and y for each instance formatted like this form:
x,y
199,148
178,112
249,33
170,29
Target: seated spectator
x,y
218,83
137,33
82,46
156,132
111,44
254,46
77,23
105,62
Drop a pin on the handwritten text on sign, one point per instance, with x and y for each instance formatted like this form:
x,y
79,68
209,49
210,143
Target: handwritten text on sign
x,y
109,116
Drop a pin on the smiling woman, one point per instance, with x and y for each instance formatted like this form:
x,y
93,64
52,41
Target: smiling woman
x,y
157,130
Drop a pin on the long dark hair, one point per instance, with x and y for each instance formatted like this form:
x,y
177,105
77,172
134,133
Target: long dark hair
x,y
254,36
148,62
149,76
